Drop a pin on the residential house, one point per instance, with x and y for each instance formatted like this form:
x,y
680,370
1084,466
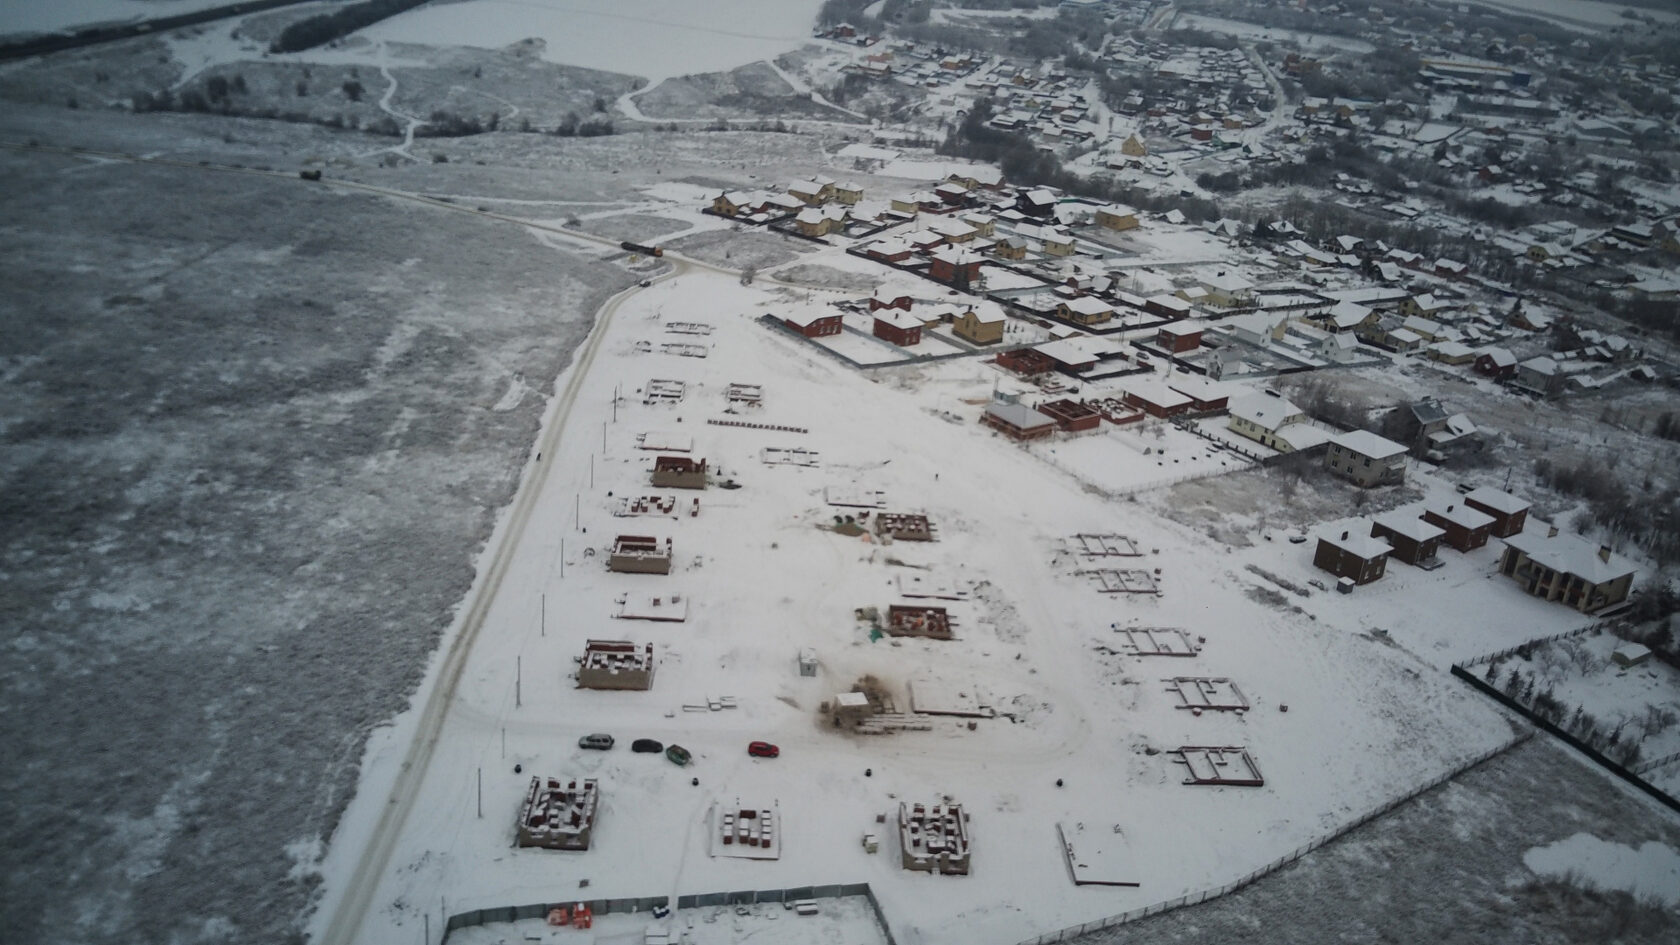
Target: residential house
x,y
1366,459
1273,422
884,297
1012,247
982,324
1509,513
1466,528
1568,569
1540,376
1414,540
1154,395
1071,416
1497,363
1055,243
898,327
1206,395
679,472
1168,306
732,203
1352,554
1085,310
1228,290
820,221
1345,316
1424,306
1117,217
956,267
848,192
1179,337
1036,203
813,323
1017,421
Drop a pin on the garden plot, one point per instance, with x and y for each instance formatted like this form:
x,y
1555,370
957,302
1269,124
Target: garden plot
x,y
1206,694
688,328
1126,460
661,392
1629,713
860,349
1103,546
1233,767
684,350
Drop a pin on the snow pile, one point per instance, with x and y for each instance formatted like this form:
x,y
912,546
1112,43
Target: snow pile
x,y
1651,870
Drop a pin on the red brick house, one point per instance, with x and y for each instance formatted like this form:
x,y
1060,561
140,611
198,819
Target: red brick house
x,y
1509,513
813,324
1179,336
1353,555
1466,529
1496,363
1017,421
958,267
1025,361
1155,397
890,298
1414,540
898,327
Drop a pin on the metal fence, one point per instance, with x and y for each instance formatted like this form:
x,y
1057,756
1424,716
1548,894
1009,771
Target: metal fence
x,y
1197,898
747,897
1511,651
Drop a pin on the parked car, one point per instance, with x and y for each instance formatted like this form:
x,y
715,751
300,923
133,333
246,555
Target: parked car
x,y
763,750
678,755
647,745
599,741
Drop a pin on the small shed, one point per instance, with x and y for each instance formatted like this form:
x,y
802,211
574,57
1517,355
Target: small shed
x,y
1352,554
1630,654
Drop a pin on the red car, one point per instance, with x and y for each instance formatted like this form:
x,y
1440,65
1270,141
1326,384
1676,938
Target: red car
x,y
762,750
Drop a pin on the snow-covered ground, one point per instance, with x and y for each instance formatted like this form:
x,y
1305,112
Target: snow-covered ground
x,y
652,38
764,578
1651,870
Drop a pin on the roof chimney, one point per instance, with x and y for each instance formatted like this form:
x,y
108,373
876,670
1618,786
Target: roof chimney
x,y
1449,508
1551,532
1344,536
1604,553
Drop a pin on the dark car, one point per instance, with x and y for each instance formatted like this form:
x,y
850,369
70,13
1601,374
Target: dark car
x,y
598,741
763,750
646,745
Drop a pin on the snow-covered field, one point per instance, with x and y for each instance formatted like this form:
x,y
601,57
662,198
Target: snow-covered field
x,y
1254,31
763,578
652,38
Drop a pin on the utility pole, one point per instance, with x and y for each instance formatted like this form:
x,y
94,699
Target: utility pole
x,y
480,806
542,618
518,673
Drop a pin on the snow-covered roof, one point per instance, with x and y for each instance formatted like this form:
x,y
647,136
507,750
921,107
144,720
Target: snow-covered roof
x,y
1462,515
1347,314
1408,525
1500,357
1155,391
1088,305
898,318
1264,411
1366,443
805,316
1355,541
1574,555
1502,502
1541,365
1019,416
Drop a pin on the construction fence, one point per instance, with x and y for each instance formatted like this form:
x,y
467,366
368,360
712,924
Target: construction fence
x,y
1197,898
461,920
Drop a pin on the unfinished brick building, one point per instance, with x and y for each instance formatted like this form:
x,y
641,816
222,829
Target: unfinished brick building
x,y
931,622
679,472
558,815
615,664
934,838
640,554
904,527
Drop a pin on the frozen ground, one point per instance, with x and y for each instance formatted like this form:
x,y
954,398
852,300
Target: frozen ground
x,y
763,578
671,37
31,16
845,921
1475,861
254,431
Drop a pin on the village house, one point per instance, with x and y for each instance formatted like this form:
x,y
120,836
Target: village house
x,y
820,221
955,267
1414,540
982,324
1179,337
884,297
813,323
1154,396
1270,420
1497,363
1012,247
1017,421
1228,290
1424,306
1466,528
810,192
1366,459
732,203
1206,395
1540,376
893,250
954,231
1345,316
899,327
1568,569
1036,203
1085,310
1352,554
848,193
1168,306
1055,243
983,224
1117,217
1509,513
